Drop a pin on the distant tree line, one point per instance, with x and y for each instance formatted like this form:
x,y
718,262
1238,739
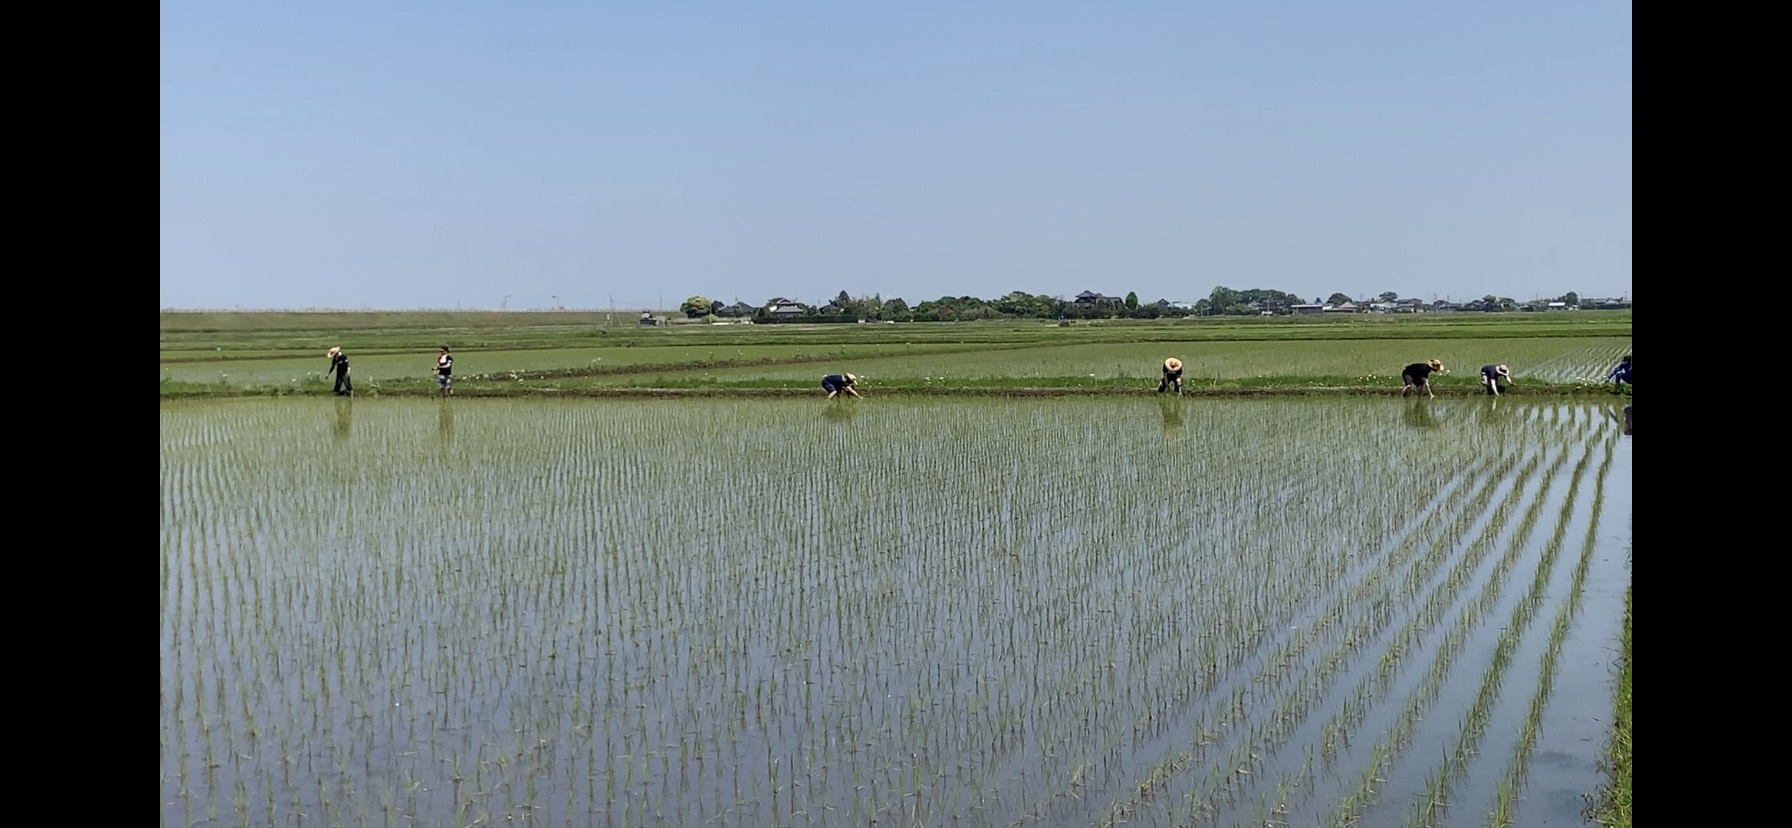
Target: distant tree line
x,y
1223,301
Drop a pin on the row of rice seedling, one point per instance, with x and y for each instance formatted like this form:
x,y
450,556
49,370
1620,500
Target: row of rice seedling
x,y
1335,732
1376,676
1275,725
1505,802
387,366
1399,721
1587,363
1371,360
1273,673
752,613
1432,804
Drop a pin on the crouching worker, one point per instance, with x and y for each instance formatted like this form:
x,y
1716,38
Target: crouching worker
x,y
1418,375
1620,376
1491,376
836,383
1172,376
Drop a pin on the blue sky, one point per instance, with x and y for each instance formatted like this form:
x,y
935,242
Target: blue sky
x,y
452,154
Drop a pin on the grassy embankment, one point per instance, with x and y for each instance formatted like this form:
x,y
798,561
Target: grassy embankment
x,y
1611,808
579,354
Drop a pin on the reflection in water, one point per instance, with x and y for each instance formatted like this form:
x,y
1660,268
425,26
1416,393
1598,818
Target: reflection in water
x,y
1623,421
1491,412
345,407
839,411
445,423
1418,414
1172,413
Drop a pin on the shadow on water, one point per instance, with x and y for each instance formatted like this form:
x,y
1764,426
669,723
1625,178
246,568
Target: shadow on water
x,y
839,411
1623,421
1418,414
1172,413
345,407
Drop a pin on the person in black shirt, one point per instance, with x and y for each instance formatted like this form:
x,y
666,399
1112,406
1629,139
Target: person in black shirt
x,y
1418,375
339,367
836,383
1491,376
445,373
1172,376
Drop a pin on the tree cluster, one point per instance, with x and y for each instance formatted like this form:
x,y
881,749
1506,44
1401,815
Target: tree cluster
x,y
1222,301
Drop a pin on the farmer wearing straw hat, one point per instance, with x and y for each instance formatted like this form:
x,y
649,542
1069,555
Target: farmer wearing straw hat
x,y
836,383
1172,376
1418,375
1491,376
339,367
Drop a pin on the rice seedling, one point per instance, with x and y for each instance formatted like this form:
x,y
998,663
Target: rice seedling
x,y
993,614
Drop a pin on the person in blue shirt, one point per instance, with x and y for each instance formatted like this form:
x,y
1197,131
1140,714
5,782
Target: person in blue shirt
x,y
1620,376
836,383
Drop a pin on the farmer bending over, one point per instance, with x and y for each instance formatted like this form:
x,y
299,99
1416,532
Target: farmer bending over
x,y
1172,376
1491,376
836,383
1418,375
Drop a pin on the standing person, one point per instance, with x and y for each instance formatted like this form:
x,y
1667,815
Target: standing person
x,y
339,366
1172,376
836,383
1418,375
1620,376
445,373
1491,376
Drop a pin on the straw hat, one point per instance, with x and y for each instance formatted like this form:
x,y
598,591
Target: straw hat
x,y
851,378
1436,364
1503,370
1173,364
334,351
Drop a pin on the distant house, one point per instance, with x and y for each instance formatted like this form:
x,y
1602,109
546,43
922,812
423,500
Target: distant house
x,y
1312,308
737,309
1558,306
1614,304
1347,307
1092,298
1383,307
831,309
783,308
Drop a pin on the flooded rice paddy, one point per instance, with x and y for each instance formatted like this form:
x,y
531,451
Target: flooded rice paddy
x,y
916,612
